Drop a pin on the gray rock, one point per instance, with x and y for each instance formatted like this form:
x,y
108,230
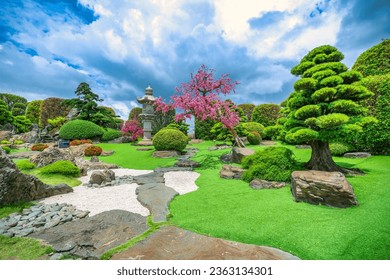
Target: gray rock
x,y
25,232
187,163
95,235
239,153
122,139
231,172
51,155
303,146
320,187
56,256
226,158
357,155
171,243
102,177
165,154
94,159
156,197
85,165
12,222
151,178
16,186
258,184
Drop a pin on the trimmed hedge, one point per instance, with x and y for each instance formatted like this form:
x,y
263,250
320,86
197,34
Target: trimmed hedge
x,y
170,139
80,129
63,167
254,138
39,147
273,164
25,164
110,134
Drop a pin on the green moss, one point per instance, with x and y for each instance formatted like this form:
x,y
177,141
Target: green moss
x,y
63,167
19,248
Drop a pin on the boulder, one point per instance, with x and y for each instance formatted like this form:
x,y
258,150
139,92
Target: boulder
x,y
226,158
85,165
166,154
172,243
102,177
240,153
94,159
50,155
357,155
231,172
16,186
320,187
259,184
195,141
107,153
90,237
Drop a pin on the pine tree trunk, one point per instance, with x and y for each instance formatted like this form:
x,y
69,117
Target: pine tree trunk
x,y
321,159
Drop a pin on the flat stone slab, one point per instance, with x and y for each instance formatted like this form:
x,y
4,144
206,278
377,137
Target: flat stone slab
x,y
172,243
357,155
90,237
156,198
20,155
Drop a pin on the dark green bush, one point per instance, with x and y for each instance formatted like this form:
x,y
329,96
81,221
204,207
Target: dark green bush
x,y
18,142
266,114
338,149
25,164
273,164
6,149
203,128
182,126
52,108
254,138
63,167
254,126
170,139
110,134
80,129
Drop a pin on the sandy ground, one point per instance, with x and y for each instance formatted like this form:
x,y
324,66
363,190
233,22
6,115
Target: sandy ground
x,y
122,197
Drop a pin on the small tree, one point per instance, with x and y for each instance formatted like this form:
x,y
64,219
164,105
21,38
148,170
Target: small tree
x,y
134,128
324,105
200,97
266,114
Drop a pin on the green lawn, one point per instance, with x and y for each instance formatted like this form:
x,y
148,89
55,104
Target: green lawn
x,y
127,156
230,209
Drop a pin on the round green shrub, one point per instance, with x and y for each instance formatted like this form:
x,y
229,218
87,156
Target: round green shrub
x,y
80,129
6,149
25,164
338,149
170,139
272,164
18,142
254,126
110,134
63,167
254,138
5,142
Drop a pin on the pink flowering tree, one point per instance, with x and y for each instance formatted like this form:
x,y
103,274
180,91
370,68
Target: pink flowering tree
x,y
134,128
201,98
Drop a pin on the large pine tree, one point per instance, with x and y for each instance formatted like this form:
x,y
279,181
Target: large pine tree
x,y
324,106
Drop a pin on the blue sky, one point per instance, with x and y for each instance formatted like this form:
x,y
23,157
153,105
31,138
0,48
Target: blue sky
x,y
48,47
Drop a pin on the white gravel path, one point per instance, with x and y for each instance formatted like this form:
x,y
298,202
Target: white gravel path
x,y
122,197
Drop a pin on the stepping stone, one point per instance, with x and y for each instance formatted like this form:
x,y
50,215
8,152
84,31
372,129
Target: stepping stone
x,y
357,155
156,197
90,237
172,243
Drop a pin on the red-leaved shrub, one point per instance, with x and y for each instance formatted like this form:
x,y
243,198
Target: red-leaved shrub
x,y
93,151
39,147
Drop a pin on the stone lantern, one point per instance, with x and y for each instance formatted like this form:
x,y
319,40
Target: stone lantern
x,y
147,115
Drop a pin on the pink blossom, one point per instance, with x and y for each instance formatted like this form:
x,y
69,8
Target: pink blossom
x,y
133,127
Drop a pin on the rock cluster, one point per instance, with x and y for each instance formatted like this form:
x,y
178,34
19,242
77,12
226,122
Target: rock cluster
x,y
16,186
259,184
357,155
39,217
85,165
320,187
102,178
51,155
231,172
89,238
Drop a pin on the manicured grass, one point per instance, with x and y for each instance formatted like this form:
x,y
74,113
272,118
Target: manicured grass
x,y
8,209
127,156
230,209
19,248
53,179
